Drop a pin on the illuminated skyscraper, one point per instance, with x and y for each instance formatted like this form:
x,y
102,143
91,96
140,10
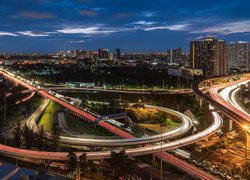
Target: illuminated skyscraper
x,y
175,55
238,54
210,55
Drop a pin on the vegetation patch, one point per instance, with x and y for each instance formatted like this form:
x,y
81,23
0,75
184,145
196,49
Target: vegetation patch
x,y
152,116
80,126
47,118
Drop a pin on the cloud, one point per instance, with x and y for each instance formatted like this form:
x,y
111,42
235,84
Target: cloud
x,y
89,31
88,12
85,36
34,33
99,9
7,34
144,23
226,28
34,15
149,14
80,41
92,30
174,27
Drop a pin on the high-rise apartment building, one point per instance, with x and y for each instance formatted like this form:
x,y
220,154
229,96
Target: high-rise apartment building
x,y
175,55
118,53
210,55
238,54
103,53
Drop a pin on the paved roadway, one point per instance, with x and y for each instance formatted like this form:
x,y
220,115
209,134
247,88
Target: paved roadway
x,y
24,154
217,101
229,95
144,92
223,96
78,140
26,98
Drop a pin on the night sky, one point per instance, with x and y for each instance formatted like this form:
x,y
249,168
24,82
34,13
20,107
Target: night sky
x,y
132,25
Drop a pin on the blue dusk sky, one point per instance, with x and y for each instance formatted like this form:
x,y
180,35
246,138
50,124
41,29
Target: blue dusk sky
x,y
132,25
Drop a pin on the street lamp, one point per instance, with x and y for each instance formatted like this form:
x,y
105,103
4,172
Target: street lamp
x,y
6,95
5,109
246,128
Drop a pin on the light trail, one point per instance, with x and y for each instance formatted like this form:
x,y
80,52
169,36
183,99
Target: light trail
x,y
29,155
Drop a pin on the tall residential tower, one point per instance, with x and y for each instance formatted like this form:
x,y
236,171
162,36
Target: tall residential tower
x,y
238,54
210,55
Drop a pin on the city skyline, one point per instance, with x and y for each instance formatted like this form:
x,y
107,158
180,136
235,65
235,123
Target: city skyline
x,y
55,25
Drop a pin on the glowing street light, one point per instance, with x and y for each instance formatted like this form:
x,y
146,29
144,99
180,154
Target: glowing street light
x,y
246,128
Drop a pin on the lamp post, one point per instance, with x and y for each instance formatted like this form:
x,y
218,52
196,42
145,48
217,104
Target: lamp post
x,y
6,95
5,109
246,128
161,151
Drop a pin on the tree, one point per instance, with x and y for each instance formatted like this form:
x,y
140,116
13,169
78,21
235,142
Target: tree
x,y
15,96
56,132
40,138
2,91
246,170
72,161
28,137
163,116
18,134
92,166
120,163
83,163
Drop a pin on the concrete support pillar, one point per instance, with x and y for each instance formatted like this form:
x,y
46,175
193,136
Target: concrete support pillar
x,y
230,125
201,103
153,157
197,98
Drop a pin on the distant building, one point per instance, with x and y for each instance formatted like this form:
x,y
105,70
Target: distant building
x,y
111,57
103,53
118,53
184,72
1,62
9,62
74,53
175,55
238,54
209,55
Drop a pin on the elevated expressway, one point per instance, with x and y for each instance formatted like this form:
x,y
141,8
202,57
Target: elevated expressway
x,y
229,95
216,100
78,140
142,92
31,156
23,153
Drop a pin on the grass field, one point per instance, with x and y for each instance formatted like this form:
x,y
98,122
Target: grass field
x,y
168,125
47,118
74,123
